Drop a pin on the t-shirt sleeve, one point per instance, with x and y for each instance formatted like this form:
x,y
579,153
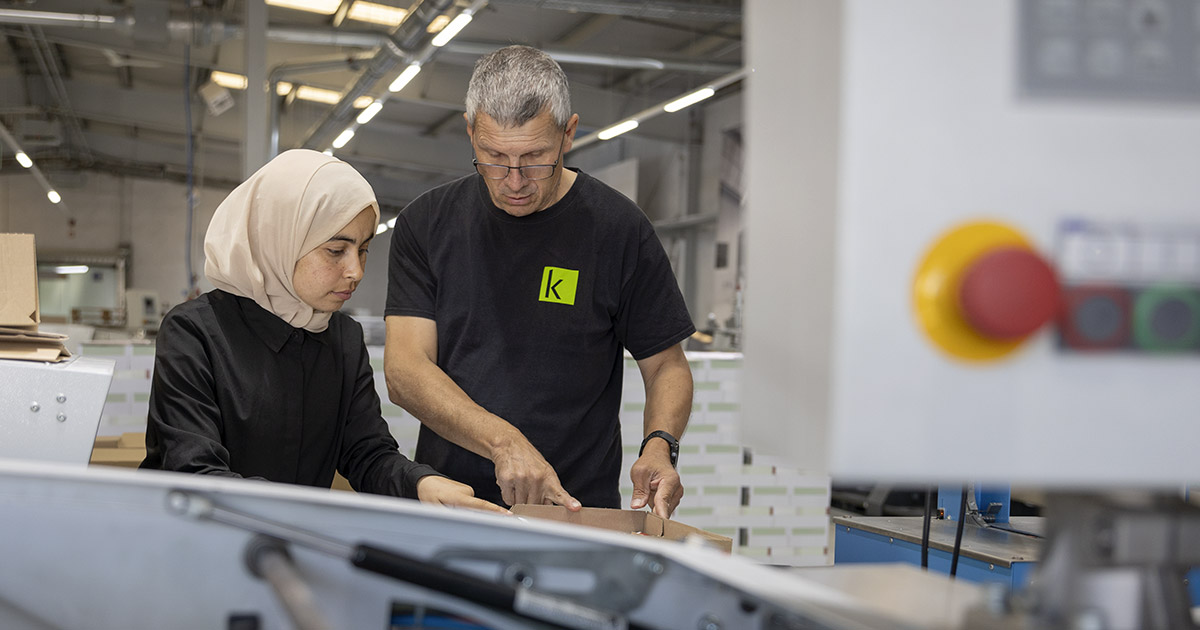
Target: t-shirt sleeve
x,y
412,288
652,315
183,426
370,458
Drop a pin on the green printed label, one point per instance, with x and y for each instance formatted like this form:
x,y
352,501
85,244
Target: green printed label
x,y
559,285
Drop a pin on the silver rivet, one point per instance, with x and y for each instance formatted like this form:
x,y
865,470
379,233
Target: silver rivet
x,y
62,417
62,398
34,407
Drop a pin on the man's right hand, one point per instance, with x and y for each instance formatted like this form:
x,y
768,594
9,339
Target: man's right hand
x,y
524,476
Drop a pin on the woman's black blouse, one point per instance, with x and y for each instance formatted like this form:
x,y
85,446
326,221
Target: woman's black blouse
x,y
239,392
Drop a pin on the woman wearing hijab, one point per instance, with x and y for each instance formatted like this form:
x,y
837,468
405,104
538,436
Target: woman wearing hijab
x,y
263,377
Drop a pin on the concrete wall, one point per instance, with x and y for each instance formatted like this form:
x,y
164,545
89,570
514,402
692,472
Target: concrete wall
x,y
148,215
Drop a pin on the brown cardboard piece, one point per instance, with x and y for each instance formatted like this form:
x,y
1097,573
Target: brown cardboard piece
x,y
628,521
18,281
19,315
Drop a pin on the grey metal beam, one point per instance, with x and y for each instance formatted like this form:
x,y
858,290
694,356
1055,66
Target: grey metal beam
x,y
258,101
662,9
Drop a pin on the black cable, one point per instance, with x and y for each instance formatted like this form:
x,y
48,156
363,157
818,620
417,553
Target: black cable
x,y
925,527
962,518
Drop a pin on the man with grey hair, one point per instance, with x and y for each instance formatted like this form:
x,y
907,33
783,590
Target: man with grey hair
x,y
512,294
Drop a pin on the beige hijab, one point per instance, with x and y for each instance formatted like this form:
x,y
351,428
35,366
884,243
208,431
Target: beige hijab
x,y
296,202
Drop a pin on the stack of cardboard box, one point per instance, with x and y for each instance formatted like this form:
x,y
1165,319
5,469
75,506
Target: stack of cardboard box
x,y
19,316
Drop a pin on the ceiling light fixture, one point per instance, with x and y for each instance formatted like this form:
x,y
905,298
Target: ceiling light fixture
x,y
23,159
438,24
367,114
381,228
324,7
457,24
71,269
376,13
688,99
617,129
53,196
406,76
229,80
343,138
673,105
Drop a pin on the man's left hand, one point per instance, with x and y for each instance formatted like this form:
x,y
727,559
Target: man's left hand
x,y
655,481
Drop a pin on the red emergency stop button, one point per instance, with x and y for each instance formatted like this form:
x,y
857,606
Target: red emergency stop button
x,y
1008,293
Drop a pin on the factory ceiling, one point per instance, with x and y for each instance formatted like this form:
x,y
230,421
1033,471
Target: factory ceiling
x,y
127,86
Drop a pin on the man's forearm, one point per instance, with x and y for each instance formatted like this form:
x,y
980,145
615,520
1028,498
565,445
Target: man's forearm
x,y
668,398
425,391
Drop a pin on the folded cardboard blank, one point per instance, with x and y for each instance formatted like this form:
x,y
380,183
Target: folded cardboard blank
x,y
628,521
18,281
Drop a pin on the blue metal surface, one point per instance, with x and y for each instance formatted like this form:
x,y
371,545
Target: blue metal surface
x,y
856,545
950,497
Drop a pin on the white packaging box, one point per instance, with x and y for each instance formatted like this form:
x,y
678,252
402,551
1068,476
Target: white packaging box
x,y
141,356
719,496
769,495
767,536
747,475
744,516
717,455
697,475
139,405
118,353
724,369
757,554
814,556
705,433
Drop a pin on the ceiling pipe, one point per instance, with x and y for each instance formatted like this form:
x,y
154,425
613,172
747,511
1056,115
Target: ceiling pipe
x,y
656,110
397,47
608,61
206,32
655,9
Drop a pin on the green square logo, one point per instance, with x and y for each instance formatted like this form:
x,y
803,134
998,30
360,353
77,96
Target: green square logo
x,y
559,285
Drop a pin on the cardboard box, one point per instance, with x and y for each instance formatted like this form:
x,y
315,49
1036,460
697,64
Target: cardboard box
x,y
18,281
628,521
19,316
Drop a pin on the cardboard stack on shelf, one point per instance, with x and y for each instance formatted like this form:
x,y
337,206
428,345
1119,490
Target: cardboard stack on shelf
x,y
19,315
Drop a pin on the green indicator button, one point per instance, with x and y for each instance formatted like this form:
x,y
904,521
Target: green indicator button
x,y
1167,318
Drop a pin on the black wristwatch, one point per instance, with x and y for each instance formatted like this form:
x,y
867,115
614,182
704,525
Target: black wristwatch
x,y
671,442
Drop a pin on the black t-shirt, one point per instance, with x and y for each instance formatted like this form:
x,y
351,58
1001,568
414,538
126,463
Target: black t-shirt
x,y
532,314
239,392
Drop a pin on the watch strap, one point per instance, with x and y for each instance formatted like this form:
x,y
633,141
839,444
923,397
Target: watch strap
x,y
672,443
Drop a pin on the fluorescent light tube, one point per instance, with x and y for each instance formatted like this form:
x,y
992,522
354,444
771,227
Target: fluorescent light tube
x,y
452,29
367,114
317,95
23,159
438,24
689,99
376,13
324,7
381,228
229,80
343,138
406,76
617,129
64,269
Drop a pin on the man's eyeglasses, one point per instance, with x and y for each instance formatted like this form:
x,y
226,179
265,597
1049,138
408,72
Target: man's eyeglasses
x,y
529,171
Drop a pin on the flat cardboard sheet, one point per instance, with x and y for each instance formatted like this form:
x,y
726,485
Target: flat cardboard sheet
x,y
19,315
18,281
628,521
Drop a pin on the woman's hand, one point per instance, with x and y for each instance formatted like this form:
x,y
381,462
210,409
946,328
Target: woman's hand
x,y
443,491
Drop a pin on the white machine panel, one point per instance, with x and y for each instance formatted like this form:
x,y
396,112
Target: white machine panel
x,y
933,132
50,411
